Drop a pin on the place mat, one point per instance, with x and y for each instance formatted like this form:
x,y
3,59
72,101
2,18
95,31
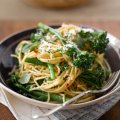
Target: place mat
x,y
24,111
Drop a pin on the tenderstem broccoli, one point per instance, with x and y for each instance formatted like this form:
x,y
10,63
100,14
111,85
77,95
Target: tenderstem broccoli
x,y
94,41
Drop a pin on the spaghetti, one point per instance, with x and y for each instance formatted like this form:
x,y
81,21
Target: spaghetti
x,y
49,62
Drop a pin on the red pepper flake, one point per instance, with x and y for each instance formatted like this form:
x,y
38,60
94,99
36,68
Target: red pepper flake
x,y
67,85
35,50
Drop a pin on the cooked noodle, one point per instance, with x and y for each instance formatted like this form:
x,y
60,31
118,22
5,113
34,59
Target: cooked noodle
x,y
66,82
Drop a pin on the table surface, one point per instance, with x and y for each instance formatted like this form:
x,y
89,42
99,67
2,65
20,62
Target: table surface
x,y
96,9
8,27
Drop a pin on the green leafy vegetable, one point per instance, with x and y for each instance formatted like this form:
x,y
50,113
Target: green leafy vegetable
x,y
58,98
94,41
35,61
94,78
45,29
81,59
99,41
63,66
36,37
34,45
36,94
52,72
30,47
26,48
25,78
13,79
71,51
84,59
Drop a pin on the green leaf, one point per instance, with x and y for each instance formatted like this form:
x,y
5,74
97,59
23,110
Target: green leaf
x,y
63,66
35,61
94,78
25,78
44,28
26,48
36,37
34,45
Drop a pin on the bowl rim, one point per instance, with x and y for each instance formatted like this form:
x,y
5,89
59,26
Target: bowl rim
x,y
54,104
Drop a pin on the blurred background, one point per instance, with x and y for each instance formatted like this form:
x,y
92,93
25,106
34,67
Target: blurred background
x,y
59,10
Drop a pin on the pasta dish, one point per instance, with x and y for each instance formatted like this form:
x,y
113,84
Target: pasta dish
x,y
54,65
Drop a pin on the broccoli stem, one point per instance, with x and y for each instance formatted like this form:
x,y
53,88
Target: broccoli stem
x,y
24,90
52,72
51,30
58,98
35,61
53,97
39,95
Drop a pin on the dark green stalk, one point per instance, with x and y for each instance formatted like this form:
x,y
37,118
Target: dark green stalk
x,y
40,95
51,30
52,72
35,61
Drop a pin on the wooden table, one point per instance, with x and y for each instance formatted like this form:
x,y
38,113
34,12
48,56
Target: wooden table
x,y
95,9
8,27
